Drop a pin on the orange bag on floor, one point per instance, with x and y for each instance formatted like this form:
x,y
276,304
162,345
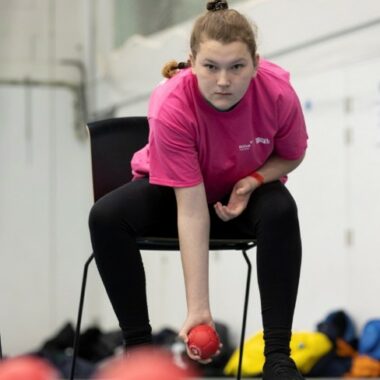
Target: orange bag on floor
x,y
364,366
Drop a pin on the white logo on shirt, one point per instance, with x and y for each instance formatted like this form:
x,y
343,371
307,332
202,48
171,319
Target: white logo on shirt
x,y
245,147
258,140
262,140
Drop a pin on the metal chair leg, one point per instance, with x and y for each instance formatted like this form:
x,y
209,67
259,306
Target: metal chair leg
x,y
79,319
245,312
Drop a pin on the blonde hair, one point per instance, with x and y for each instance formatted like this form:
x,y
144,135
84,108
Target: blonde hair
x,y
221,24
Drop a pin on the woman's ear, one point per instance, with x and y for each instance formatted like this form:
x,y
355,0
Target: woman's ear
x,y
256,64
192,62
256,61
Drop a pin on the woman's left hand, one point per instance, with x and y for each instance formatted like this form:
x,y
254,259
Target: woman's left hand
x,y
238,199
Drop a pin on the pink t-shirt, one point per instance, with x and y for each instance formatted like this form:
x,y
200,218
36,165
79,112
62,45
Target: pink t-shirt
x,y
192,142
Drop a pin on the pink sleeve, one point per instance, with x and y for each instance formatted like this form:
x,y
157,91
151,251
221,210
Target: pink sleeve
x,y
173,155
291,138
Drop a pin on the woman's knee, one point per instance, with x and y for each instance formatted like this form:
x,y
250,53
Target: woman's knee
x,y
102,215
280,207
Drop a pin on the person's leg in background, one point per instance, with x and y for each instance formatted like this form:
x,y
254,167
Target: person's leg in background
x,y
116,220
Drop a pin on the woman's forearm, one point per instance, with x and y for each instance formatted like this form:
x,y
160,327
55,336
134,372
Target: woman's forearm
x,y
193,229
276,167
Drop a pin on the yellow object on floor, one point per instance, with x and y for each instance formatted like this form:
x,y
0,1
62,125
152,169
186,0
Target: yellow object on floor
x,y
306,349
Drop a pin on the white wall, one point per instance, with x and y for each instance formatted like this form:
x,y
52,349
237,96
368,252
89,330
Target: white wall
x,y
45,178
337,189
45,174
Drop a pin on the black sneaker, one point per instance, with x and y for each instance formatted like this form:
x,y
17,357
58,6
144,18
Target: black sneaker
x,y
281,367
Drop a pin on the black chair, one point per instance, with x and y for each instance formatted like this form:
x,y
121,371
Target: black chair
x,y
113,143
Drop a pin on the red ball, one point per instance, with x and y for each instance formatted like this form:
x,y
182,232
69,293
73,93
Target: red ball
x,y
203,341
26,368
144,364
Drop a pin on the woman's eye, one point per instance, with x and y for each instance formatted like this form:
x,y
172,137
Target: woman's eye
x,y
237,66
210,67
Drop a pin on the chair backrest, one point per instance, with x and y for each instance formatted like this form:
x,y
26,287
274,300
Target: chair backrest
x,y
113,143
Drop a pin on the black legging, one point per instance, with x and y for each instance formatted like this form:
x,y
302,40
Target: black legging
x,y
138,209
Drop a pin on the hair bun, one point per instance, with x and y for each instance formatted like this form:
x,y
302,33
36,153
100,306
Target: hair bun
x,y
171,68
217,5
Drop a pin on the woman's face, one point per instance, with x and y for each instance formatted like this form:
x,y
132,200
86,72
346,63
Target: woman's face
x,y
224,72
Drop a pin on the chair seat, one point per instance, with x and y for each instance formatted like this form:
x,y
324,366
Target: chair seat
x,y
172,244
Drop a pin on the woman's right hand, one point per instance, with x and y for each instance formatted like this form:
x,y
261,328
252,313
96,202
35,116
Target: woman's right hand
x,y
192,321
193,230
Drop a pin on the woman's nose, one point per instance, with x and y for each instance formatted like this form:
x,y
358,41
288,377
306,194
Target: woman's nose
x,y
223,79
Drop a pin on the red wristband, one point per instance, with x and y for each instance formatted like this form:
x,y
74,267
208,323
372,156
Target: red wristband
x,y
258,177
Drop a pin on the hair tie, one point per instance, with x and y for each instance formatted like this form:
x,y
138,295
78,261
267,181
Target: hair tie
x,y
217,5
183,65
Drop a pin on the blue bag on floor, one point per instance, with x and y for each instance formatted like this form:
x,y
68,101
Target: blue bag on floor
x,y
339,324
369,341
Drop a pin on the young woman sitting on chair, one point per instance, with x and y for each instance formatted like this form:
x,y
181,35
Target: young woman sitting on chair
x,y
225,130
